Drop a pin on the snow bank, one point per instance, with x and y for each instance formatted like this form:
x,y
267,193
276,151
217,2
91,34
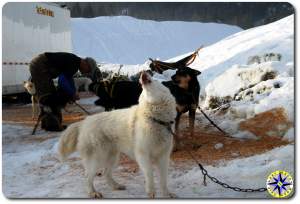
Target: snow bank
x,y
126,40
277,37
233,80
250,88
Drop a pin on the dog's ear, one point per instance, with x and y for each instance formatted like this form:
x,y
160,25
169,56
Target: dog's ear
x,y
193,72
164,83
196,72
175,78
167,84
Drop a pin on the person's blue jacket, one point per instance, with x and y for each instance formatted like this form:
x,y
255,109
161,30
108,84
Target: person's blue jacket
x,y
66,83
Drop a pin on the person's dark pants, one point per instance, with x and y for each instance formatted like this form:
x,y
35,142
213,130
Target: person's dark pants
x,y
46,92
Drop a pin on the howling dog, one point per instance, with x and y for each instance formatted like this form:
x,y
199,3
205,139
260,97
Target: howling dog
x,y
143,132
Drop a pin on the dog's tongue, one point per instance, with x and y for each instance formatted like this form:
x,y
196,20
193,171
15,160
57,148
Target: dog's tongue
x,y
145,78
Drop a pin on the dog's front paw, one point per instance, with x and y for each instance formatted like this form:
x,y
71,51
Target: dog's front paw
x,y
119,187
172,195
151,195
96,195
168,195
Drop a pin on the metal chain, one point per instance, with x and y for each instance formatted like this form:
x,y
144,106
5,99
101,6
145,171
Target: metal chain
x,y
225,185
213,179
217,181
204,171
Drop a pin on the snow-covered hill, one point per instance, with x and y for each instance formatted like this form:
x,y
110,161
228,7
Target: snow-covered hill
x,y
226,72
250,72
277,37
127,40
232,75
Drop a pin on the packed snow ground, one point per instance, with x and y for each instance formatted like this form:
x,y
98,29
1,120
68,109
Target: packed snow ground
x,y
127,40
31,169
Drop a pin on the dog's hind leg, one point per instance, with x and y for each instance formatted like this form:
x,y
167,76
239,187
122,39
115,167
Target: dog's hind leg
x,y
110,164
192,115
91,167
145,164
177,122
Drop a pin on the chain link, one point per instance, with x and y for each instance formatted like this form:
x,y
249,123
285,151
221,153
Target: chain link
x,y
225,185
215,180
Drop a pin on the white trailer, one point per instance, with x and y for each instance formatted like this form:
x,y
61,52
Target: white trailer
x,y
29,29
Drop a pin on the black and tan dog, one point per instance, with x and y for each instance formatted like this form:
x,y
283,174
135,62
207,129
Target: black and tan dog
x,y
184,86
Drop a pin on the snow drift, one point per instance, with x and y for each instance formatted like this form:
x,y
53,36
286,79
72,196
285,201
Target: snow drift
x,y
252,73
257,87
127,40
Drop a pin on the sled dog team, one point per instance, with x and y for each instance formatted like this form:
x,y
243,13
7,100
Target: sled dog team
x,y
142,132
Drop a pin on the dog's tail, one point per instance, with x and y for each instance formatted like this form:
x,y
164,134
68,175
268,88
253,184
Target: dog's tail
x,y
68,140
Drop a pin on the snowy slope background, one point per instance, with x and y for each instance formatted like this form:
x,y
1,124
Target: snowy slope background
x,y
127,40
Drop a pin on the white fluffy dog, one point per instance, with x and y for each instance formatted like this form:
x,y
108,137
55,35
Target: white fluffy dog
x,y
82,82
142,132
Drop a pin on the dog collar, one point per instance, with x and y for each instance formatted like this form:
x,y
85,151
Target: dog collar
x,y
164,123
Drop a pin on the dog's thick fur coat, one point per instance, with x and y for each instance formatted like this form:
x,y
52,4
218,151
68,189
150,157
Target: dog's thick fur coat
x,y
82,82
102,137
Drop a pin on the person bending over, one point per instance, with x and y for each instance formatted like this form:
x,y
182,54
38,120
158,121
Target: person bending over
x,y
48,66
